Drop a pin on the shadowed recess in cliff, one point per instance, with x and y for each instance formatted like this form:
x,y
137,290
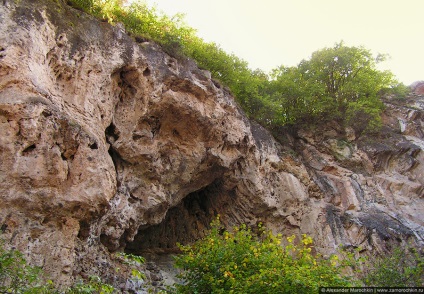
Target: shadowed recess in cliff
x,y
186,222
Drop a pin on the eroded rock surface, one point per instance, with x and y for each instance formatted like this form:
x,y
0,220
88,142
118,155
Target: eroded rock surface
x,y
109,145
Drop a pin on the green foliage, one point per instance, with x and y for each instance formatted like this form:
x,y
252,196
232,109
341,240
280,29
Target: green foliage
x,y
397,91
134,261
402,268
141,21
84,5
339,83
16,276
131,259
243,262
94,285
364,115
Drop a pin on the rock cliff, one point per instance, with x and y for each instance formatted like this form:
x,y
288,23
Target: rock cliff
x,y
109,145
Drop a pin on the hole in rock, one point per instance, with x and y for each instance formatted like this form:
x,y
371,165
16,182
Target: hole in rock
x,y
46,113
111,133
186,222
146,72
94,146
140,39
28,149
136,137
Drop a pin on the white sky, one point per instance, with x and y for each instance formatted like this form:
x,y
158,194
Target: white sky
x,y
269,33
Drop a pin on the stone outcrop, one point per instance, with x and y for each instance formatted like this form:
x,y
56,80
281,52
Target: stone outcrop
x,y
418,88
109,145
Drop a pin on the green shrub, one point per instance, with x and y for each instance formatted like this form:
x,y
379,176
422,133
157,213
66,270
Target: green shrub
x,y
401,268
16,276
364,115
93,285
243,262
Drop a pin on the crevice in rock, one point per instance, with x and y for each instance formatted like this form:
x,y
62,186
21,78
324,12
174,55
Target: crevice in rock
x,y
94,146
111,134
28,149
136,137
2,52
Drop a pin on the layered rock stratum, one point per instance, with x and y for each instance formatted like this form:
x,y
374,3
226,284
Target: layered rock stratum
x,y
112,145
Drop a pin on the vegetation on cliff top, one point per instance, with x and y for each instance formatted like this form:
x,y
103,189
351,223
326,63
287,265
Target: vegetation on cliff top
x,y
339,83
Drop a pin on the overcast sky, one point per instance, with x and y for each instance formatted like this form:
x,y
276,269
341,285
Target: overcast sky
x,y
269,33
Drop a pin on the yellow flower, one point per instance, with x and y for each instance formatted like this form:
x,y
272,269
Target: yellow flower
x,y
291,238
306,240
334,259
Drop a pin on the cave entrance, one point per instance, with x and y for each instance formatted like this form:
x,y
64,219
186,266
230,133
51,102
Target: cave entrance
x,y
184,223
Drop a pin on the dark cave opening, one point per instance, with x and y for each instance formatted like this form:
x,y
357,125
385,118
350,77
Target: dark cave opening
x,y
184,223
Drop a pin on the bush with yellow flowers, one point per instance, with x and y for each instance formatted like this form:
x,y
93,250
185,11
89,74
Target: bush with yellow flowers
x,y
241,261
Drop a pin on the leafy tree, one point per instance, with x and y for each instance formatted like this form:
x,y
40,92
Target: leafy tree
x,y
293,94
244,262
364,115
335,83
346,74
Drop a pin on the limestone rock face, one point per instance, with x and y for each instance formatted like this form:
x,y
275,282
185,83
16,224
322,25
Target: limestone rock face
x,y
109,145
372,185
